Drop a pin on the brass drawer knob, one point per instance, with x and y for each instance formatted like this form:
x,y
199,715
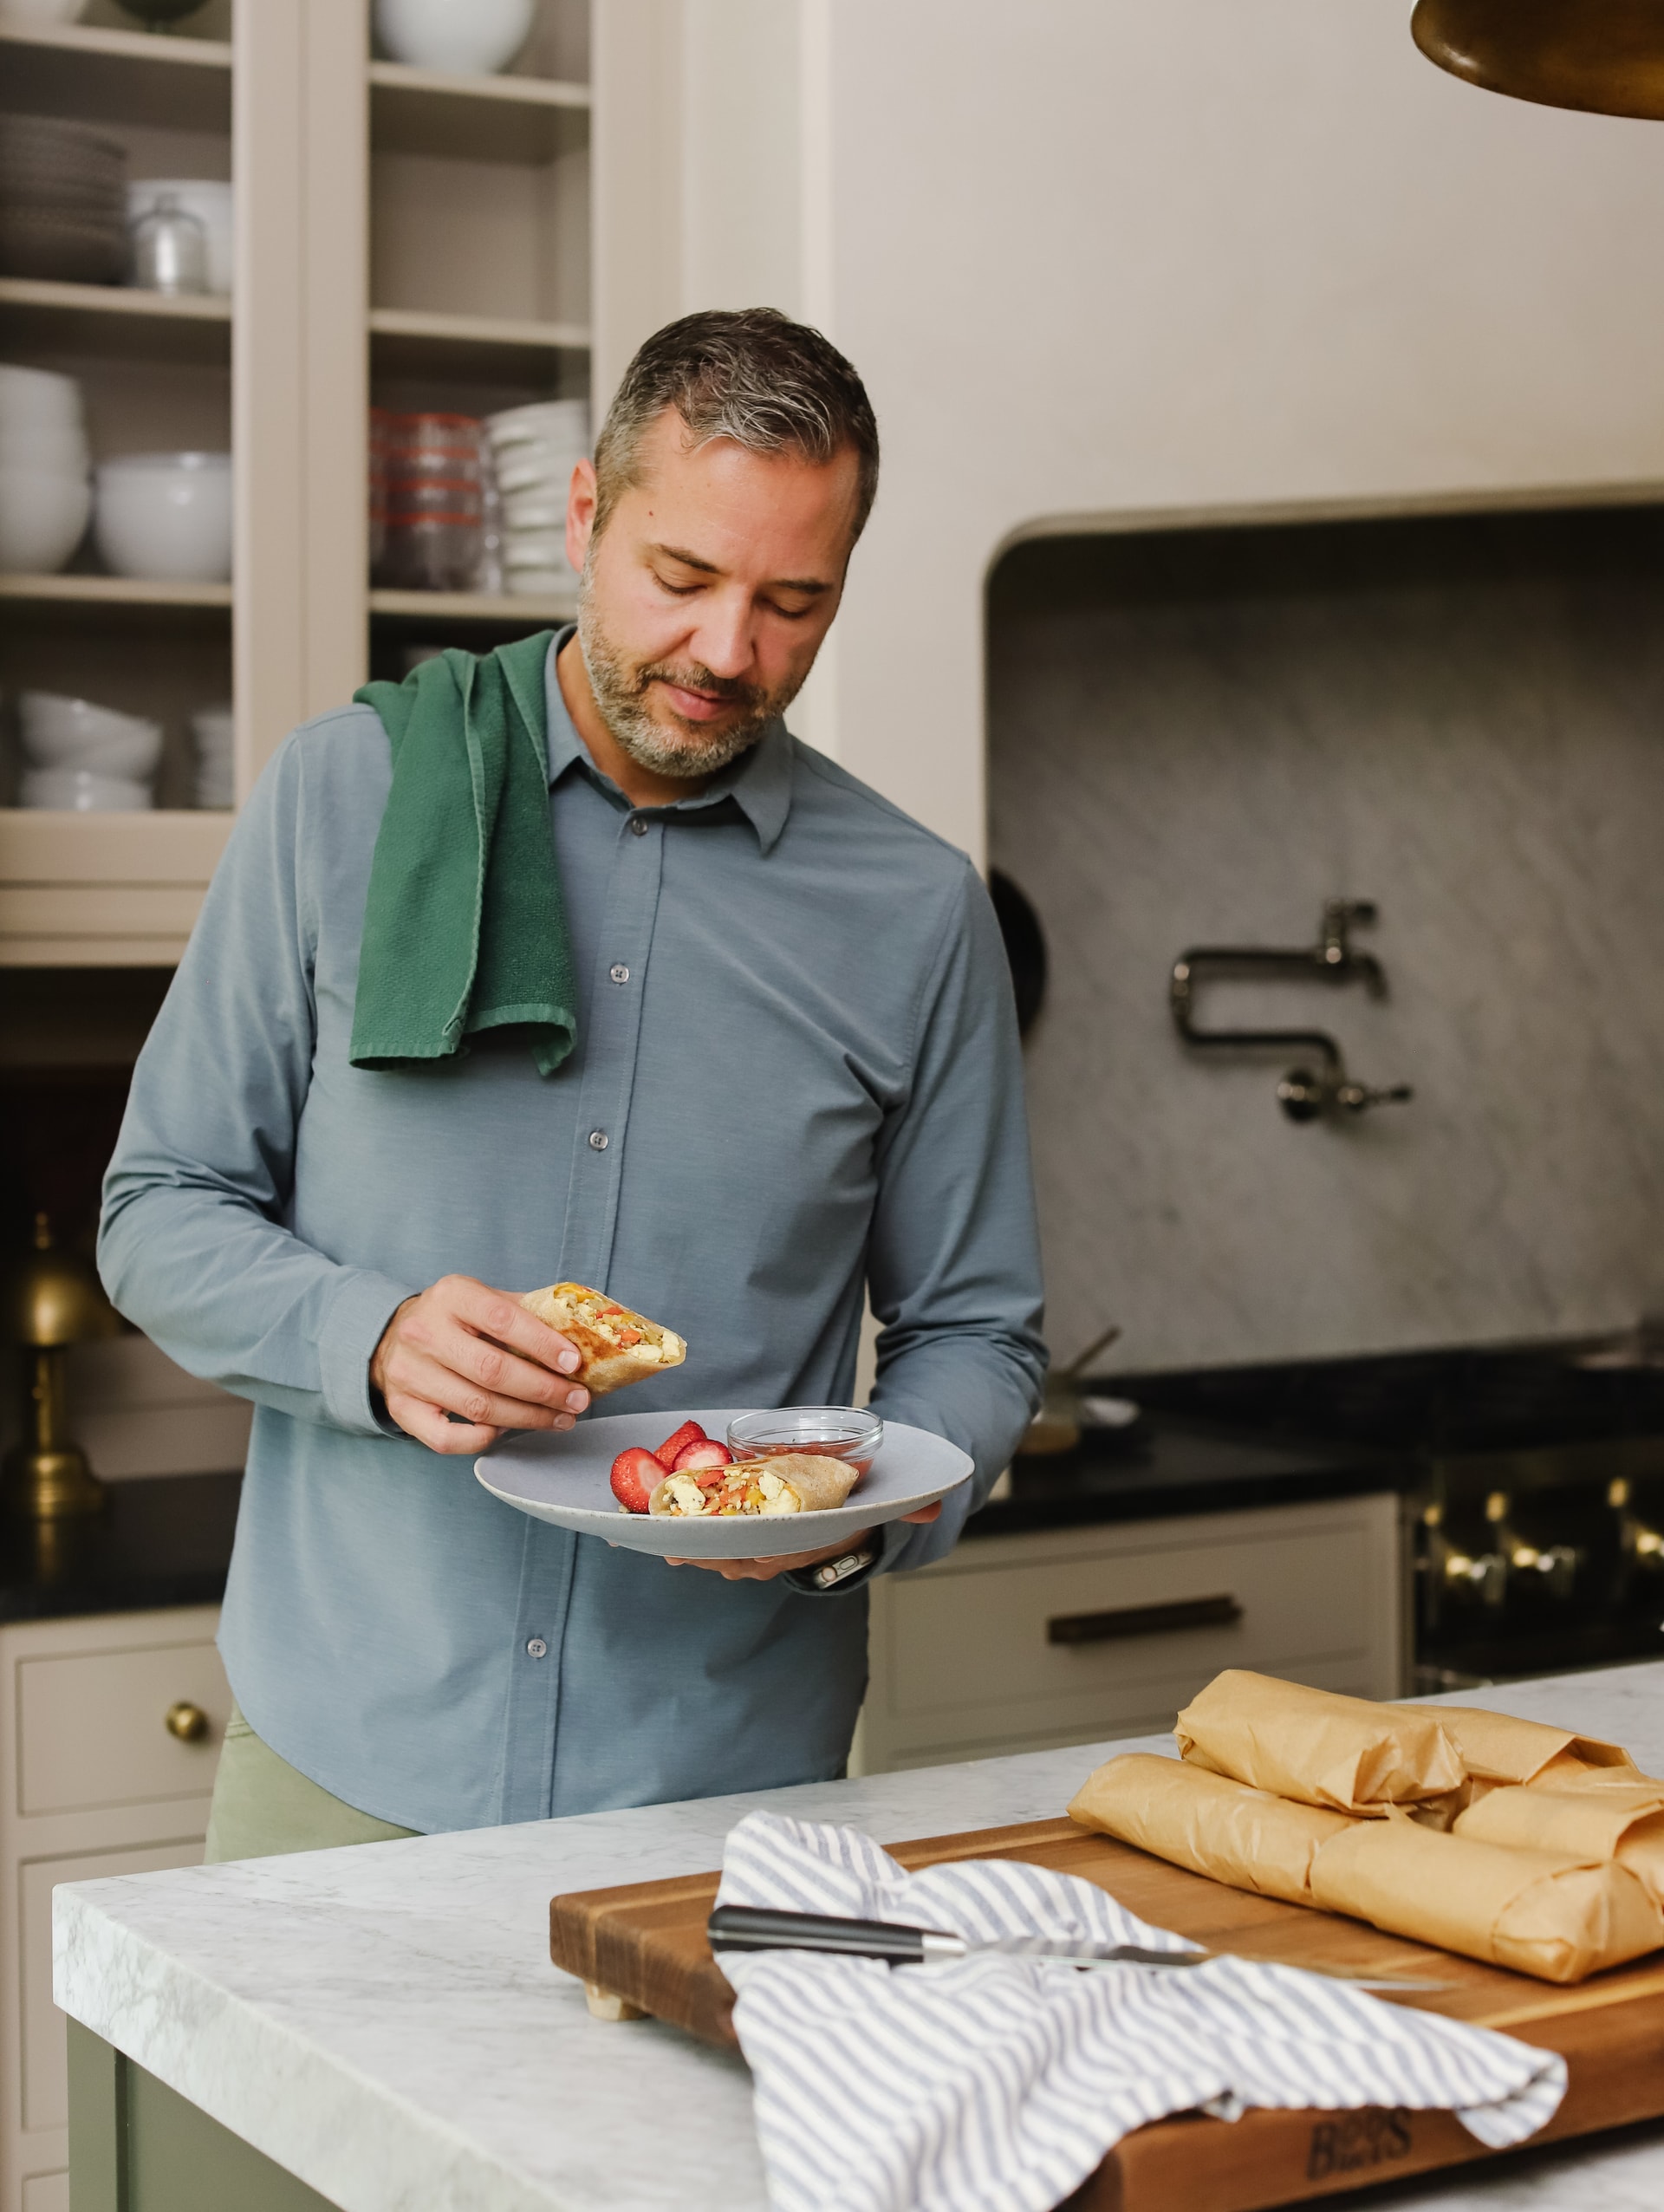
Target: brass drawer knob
x,y
186,1721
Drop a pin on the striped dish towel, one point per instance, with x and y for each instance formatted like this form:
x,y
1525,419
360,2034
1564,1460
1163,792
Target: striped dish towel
x,y
997,2084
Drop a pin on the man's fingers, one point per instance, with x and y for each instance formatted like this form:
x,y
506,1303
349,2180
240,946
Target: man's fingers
x,y
483,1362
499,1315
420,1375
428,1425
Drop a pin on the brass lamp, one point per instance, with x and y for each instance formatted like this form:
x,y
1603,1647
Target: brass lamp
x,y
53,1300
1606,56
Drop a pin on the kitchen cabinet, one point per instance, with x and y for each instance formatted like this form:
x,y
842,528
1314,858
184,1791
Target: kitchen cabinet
x,y
404,236
1058,1636
93,1782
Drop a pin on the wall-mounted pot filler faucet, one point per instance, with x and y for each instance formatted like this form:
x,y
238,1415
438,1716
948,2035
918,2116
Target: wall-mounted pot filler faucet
x,y
1304,1095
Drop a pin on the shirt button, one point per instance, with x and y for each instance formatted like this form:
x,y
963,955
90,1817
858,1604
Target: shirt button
x,y
621,974
535,1648
638,827
597,1140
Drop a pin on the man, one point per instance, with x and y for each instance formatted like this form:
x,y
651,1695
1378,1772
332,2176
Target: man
x,y
795,1074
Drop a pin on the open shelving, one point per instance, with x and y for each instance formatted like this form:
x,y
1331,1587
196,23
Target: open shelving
x,y
405,235
98,75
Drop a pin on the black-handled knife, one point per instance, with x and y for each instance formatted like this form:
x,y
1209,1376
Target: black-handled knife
x,y
759,1928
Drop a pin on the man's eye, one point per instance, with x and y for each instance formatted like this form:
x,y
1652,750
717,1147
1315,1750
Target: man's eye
x,y
676,591
787,614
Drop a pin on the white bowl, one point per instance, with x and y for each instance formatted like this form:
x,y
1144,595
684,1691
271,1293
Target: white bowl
x,y
540,510
559,422
59,732
214,729
77,791
538,583
166,515
43,514
38,399
206,198
535,468
469,38
535,549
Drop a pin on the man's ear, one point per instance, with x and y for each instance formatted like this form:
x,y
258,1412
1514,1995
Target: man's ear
x,y
581,514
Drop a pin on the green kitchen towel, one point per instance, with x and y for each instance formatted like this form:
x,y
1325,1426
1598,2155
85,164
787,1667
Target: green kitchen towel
x,y
464,928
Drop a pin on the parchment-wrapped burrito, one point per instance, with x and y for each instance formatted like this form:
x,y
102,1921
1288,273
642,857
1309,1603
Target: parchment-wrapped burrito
x,y
1543,1913
784,1482
1196,1819
1341,1752
1625,1825
1496,1748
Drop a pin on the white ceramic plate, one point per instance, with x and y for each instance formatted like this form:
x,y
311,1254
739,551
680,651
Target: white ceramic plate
x,y
563,1479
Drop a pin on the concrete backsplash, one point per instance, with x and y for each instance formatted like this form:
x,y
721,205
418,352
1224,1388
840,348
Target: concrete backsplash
x,y
1198,737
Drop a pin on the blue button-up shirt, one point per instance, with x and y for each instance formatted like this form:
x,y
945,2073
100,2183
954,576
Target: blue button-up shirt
x,y
797,1073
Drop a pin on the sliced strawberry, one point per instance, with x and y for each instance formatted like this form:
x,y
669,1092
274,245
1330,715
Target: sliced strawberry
x,y
704,1452
689,1433
634,1474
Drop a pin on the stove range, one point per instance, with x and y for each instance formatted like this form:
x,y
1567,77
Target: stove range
x,y
1534,1474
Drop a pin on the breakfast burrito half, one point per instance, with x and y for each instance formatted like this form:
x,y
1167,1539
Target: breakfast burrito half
x,y
617,1346
785,1482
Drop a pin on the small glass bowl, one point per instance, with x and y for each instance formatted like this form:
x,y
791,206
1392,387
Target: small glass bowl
x,y
834,1432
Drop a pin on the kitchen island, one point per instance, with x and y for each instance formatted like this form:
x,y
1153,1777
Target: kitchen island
x,y
381,2030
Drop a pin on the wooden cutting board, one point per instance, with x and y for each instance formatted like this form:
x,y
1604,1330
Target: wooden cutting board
x,y
642,1950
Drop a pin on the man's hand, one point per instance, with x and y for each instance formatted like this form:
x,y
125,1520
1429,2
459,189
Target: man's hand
x,y
766,1570
463,1349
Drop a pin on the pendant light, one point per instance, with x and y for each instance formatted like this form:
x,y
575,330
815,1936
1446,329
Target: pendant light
x,y
1604,55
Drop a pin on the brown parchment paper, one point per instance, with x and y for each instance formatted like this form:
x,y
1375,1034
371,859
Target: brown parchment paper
x,y
1536,1912
1196,1819
1496,1748
1344,1753
1624,1825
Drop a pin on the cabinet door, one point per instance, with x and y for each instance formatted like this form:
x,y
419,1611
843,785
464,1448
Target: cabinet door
x,y
93,1727
45,2078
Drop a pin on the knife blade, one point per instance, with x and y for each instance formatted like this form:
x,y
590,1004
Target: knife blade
x,y
759,1928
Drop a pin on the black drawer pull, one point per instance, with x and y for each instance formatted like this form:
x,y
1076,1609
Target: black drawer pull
x,y
1143,1620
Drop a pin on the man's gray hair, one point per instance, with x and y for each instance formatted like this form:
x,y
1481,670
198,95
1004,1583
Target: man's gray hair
x,y
749,373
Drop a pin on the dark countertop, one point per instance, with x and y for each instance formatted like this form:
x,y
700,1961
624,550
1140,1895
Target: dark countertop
x,y
162,1540
1167,1466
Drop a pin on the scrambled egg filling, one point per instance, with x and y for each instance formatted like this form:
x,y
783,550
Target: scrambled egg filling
x,y
739,1492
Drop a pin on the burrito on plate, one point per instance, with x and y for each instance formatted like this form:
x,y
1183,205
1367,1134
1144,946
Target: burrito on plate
x,y
784,1482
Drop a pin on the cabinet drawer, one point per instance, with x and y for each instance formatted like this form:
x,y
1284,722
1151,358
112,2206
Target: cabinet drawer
x,y
1090,1640
92,1727
45,2082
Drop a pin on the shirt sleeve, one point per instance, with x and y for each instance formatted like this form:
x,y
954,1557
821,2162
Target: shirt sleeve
x,y
953,1268
193,1244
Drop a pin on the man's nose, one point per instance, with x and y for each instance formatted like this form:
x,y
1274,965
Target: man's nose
x,y
724,641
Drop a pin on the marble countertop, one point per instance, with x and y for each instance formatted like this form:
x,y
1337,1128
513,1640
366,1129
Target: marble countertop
x,y
385,2021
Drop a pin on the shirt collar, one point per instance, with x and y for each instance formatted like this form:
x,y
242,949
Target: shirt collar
x,y
758,782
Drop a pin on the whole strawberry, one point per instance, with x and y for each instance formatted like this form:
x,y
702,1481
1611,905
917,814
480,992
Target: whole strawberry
x,y
634,1473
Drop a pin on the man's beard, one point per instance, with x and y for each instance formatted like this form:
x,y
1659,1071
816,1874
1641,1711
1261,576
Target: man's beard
x,y
621,694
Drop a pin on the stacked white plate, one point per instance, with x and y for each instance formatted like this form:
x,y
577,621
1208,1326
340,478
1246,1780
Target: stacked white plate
x,y
44,495
81,758
212,728
534,450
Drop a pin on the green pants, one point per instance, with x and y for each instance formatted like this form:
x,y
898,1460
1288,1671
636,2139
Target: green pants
x,y
262,1806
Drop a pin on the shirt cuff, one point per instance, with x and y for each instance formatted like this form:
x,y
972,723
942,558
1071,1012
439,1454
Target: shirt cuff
x,y
354,1325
